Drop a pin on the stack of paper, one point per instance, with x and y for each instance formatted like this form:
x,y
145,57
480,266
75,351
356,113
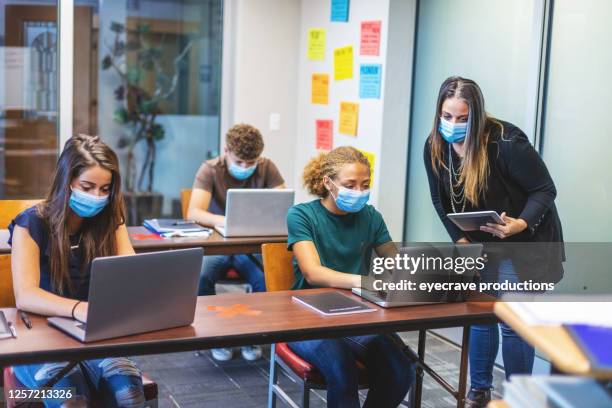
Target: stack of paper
x,y
555,392
560,309
169,227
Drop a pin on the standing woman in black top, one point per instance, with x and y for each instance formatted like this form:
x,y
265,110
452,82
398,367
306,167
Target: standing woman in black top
x,y
474,163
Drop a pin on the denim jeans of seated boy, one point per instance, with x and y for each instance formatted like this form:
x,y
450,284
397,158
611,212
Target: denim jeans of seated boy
x,y
389,370
118,380
214,269
518,355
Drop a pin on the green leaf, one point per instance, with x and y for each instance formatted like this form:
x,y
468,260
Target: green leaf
x,y
134,75
148,106
158,132
117,27
107,62
121,116
143,28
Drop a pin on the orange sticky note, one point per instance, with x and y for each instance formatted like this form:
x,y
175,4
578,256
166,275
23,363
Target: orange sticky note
x,y
349,117
320,89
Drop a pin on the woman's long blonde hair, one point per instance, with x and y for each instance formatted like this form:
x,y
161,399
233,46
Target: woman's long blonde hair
x,y
475,167
97,233
329,164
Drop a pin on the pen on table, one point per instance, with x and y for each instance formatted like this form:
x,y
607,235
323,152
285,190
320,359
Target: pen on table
x,y
13,330
25,319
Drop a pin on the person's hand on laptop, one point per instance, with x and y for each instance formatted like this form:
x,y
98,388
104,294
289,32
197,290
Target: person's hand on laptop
x,y
81,312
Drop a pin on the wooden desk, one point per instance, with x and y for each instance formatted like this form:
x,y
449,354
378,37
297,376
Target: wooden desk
x,y
278,318
554,342
215,244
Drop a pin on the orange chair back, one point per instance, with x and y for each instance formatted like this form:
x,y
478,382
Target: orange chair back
x,y
278,266
8,210
185,198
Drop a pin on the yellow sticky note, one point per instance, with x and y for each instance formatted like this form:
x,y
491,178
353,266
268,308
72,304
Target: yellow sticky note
x,y
343,63
320,89
316,44
372,159
349,117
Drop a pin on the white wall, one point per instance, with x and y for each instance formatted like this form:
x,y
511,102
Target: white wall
x,y
260,60
383,123
265,71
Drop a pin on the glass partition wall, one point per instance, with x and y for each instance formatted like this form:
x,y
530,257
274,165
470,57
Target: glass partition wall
x,y
28,97
146,79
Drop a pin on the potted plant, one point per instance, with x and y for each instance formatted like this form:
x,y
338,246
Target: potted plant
x,y
139,109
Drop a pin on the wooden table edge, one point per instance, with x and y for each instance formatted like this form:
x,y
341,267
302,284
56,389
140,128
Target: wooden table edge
x,y
162,346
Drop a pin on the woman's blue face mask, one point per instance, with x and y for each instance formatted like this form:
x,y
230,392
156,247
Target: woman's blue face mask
x,y
452,132
350,200
87,205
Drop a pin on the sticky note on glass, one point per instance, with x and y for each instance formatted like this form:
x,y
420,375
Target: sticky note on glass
x,y
370,38
340,10
349,117
372,159
316,44
343,63
325,135
320,89
369,81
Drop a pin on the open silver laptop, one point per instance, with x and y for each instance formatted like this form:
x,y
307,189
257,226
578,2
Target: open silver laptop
x,y
132,294
256,212
398,298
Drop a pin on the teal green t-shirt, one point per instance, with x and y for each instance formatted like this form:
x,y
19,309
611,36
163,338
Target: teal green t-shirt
x,y
342,241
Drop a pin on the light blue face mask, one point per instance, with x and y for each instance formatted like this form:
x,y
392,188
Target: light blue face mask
x,y
350,200
87,205
452,132
241,173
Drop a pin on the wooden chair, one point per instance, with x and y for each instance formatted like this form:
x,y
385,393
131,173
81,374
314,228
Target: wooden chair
x,y
278,270
232,276
9,209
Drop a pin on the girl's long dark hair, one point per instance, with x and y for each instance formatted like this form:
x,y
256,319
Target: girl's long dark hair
x,y
97,233
475,167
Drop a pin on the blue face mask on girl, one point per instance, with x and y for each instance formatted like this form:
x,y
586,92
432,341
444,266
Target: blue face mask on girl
x,y
87,205
452,132
241,173
350,200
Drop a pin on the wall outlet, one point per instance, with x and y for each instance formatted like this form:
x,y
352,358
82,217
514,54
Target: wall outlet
x,y
275,121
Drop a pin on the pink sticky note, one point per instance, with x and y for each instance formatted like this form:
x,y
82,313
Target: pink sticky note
x,y
325,134
370,38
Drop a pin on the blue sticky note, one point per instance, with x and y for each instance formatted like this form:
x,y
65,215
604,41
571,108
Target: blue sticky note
x,y
369,81
340,10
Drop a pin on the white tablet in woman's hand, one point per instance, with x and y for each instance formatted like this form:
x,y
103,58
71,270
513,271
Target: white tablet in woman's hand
x,y
472,221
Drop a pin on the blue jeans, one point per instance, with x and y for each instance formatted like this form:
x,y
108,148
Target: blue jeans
x,y
390,372
215,267
517,354
117,380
